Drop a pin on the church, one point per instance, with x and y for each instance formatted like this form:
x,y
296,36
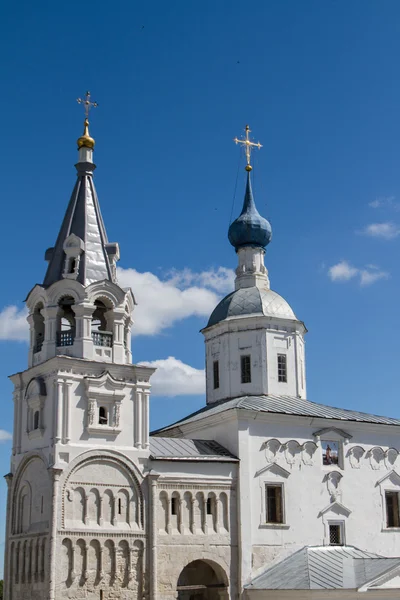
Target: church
x,y
260,494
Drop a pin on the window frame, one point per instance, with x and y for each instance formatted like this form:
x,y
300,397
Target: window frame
x,y
282,370
281,487
341,526
216,381
245,368
386,494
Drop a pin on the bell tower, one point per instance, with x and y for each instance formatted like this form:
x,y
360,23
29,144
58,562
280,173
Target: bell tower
x,y
81,401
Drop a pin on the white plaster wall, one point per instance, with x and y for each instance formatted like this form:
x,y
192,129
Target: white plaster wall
x,y
263,339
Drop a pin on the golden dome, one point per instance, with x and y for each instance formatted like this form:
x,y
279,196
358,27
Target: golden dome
x,y
85,141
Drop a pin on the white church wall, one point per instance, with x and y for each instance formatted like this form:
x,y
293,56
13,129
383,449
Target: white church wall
x,y
314,494
263,339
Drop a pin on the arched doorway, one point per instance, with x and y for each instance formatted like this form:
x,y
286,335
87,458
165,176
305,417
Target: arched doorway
x,y
202,580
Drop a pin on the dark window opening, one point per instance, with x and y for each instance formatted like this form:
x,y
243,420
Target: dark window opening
x,y
41,506
216,374
335,535
119,506
392,509
174,506
245,369
274,504
103,420
36,420
72,265
282,368
209,506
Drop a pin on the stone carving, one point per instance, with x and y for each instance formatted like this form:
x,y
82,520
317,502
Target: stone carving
x,y
307,453
355,455
376,457
272,448
91,412
333,484
117,412
292,450
391,456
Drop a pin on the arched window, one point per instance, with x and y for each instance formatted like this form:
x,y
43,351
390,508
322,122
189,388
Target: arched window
x,y
103,418
66,322
38,325
72,265
36,417
100,326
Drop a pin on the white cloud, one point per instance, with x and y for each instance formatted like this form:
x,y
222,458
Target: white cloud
x,y
175,378
5,436
162,302
221,280
13,324
369,277
385,202
344,271
387,231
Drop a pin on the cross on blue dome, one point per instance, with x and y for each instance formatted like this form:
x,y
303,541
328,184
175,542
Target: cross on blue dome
x,y
250,228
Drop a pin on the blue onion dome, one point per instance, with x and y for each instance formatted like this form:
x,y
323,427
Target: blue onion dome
x,y
250,228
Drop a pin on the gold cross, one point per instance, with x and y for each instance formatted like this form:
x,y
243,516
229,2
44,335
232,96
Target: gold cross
x,y
86,103
248,146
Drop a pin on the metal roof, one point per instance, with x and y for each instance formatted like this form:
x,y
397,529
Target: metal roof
x,y
184,449
83,219
287,405
251,301
324,568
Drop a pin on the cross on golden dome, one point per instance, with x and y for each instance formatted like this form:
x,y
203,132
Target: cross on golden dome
x,y
87,103
248,146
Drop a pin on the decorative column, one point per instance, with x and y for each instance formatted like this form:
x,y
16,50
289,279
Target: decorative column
x,y
8,558
204,515
145,420
58,411
192,520
101,511
32,340
153,477
72,572
180,504
66,412
50,315
83,343
53,533
138,419
127,340
118,335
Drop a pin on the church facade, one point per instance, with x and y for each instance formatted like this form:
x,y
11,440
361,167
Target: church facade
x,y
261,493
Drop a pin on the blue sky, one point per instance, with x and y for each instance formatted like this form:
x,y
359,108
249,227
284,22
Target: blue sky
x,y
175,82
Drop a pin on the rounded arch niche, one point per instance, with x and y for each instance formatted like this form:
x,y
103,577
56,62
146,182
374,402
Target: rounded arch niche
x,y
202,580
107,478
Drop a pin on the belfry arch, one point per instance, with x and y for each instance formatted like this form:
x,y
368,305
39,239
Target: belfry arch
x,y
202,580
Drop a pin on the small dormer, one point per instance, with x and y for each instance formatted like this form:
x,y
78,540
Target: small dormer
x,y
73,248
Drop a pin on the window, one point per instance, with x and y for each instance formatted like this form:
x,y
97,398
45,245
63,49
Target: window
x,y
330,453
216,374
36,416
209,506
41,506
174,506
282,368
119,506
245,369
392,509
274,505
336,534
103,419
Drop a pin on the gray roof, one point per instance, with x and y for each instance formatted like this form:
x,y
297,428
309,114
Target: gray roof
x,y
183,449
324,567
287,405
82,218
251,301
